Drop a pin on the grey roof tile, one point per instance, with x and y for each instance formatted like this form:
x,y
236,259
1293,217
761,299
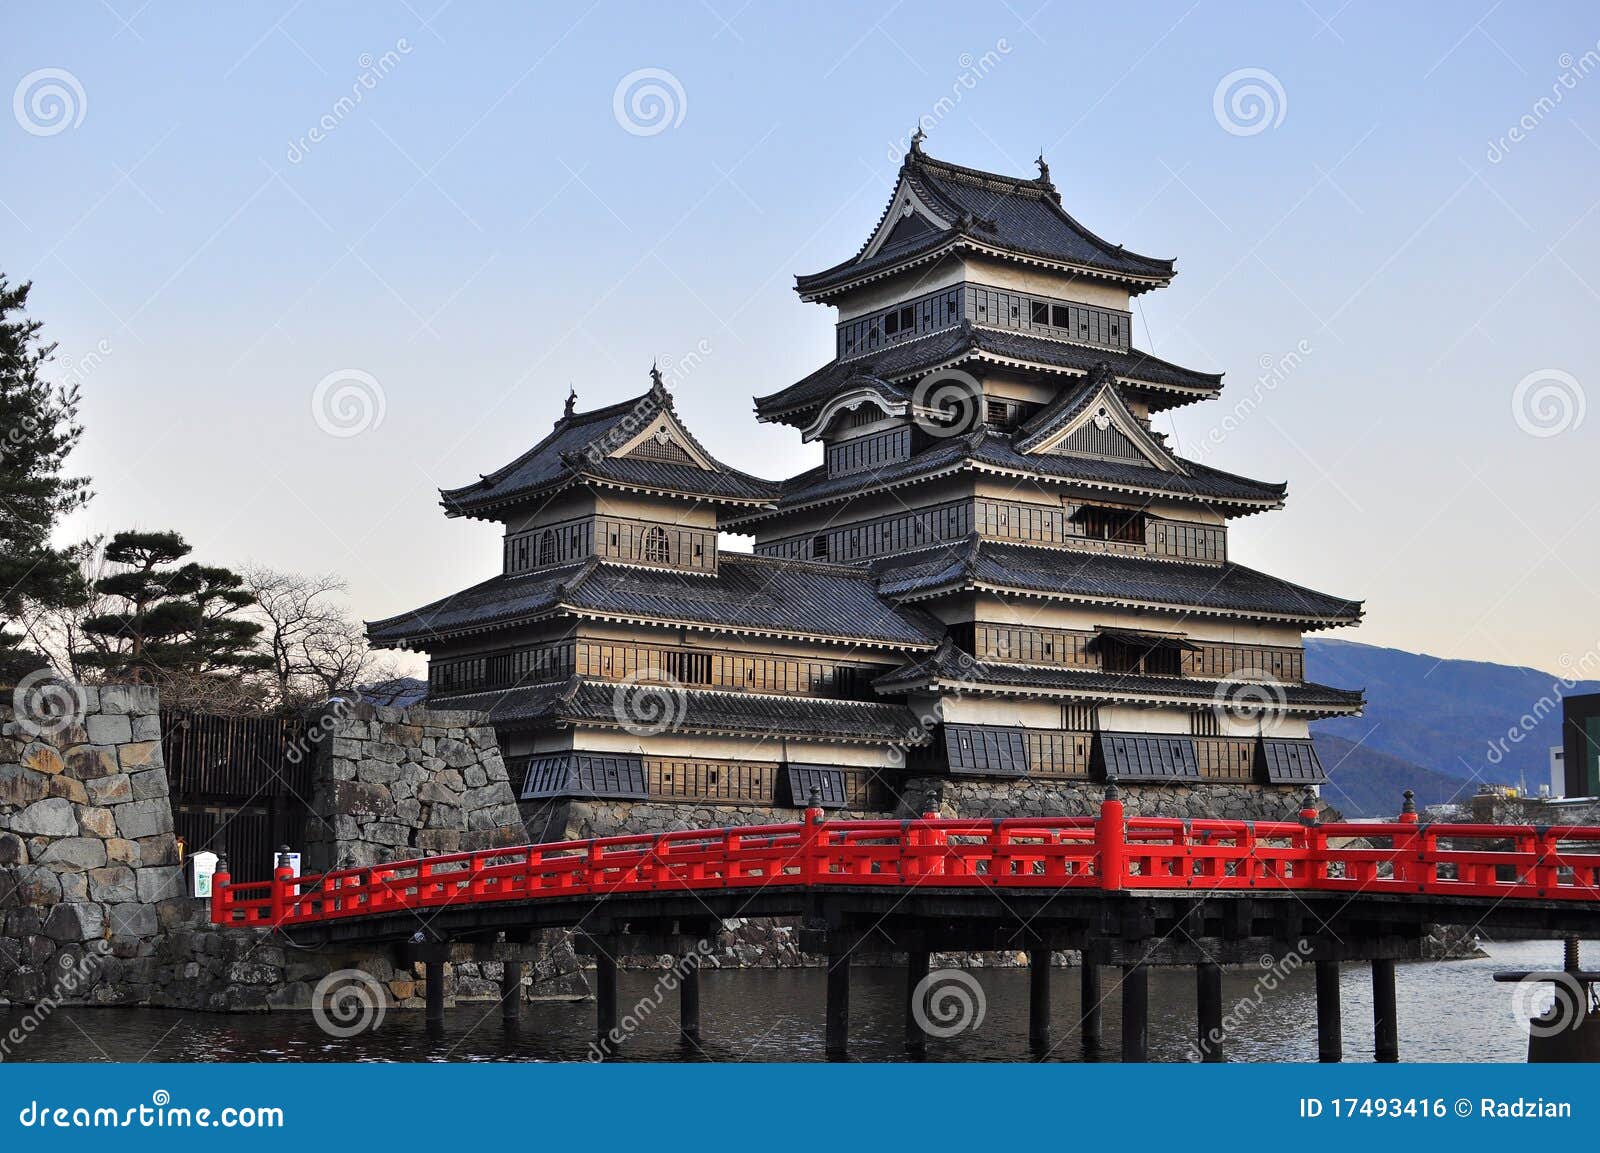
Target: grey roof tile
x,y
751,592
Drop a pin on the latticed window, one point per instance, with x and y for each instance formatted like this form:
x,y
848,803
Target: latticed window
x,y
547,547
655,549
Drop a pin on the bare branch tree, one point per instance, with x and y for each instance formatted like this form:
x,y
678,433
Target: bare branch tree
x,y
316,647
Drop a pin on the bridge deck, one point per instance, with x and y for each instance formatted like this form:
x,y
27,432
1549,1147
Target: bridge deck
x,y
1071,879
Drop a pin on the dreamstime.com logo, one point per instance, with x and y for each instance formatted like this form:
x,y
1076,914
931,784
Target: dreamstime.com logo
x,y
48,101
1548,402
348,402
1248,101
1252,699
160,1113
947,1002
348,1002
947,403
1546,1007
47,705
649,703
648,101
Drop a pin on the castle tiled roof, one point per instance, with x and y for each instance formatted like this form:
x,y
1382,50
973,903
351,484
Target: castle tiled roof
x,y
577,451
951,667
1227,589
1005,215
747,593
601,703
988,450
1161,383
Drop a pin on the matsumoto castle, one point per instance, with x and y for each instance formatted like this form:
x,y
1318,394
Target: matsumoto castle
x,y
999,590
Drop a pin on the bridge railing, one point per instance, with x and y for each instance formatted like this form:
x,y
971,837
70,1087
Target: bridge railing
x,y
1110,852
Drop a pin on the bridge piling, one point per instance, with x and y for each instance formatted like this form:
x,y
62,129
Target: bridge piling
x,y
605,998
1039,999
1330,1027
836,1034
1208,1006
511,992
1089,1006
1135,1013
917,965
433,986
689,1001
1385,1022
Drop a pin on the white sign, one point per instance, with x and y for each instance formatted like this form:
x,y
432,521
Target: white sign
x,y
202,866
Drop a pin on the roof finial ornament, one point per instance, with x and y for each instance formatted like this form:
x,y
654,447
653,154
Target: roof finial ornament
x,y
572,400
917,138
1044,169
656,384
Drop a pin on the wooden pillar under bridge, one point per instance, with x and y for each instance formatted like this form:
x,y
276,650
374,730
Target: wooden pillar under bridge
x,y
1330,1024
689,1000
1135,1013
1385,1023
917,965
1089,1005
433,991
836,1033
1039,1000
1208,1009
605,997
511,992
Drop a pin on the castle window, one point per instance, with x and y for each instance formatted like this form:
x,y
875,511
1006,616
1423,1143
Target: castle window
x,y
819,547
1039,312
689,668
547,547
1059,316
1125,526
655,545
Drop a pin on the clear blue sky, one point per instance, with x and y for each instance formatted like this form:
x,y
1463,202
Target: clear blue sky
x,y
480,230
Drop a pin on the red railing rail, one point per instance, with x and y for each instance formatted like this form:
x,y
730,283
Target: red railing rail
x,y
1109,852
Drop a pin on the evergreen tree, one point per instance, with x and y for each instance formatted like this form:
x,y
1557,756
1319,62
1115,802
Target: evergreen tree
x,y
169,619
38,428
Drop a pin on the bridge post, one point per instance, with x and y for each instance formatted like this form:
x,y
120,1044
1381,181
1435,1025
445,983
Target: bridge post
x,y
1089,1007
836,1035
689,1001
917,964
1208,1005
511,992
1039,999
1330,1026
605,996
1385,1023
433,991
1135,1013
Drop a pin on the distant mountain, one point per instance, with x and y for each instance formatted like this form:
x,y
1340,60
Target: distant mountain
x,y
1449,717
1363,782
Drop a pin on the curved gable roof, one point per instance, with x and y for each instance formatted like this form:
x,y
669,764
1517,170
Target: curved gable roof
x,y
1007,213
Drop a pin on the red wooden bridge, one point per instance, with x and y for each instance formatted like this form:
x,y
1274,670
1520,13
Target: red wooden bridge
x,y
1126,890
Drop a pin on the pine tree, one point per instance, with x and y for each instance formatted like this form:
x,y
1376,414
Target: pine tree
x,y
169,619
38,428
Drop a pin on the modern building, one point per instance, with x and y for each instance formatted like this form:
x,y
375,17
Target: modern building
x,y
1580,744
1000,587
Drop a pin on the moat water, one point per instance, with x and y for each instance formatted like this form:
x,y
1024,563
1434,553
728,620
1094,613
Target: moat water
x,y
1449,1011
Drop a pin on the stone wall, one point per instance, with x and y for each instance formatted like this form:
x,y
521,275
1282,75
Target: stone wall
x,y
395,783
953,797
88,859
93,904
577,820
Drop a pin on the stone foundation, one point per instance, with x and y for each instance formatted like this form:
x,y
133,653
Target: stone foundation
x,y
390,784
954,797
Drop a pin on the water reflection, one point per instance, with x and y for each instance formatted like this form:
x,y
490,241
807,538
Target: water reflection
x,y
1448,1012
